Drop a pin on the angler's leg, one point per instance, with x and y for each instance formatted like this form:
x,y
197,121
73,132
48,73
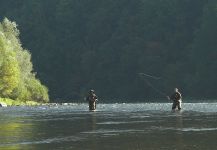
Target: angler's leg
x,y
179,105
94,105
90,105
174,105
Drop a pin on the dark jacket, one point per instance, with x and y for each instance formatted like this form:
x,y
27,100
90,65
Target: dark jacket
x,y
176,96
91,97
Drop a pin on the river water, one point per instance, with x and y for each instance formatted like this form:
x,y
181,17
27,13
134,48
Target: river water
x,y
140,126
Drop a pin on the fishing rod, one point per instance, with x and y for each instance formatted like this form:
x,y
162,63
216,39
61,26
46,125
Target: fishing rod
x,y
151,76
154,88
151,85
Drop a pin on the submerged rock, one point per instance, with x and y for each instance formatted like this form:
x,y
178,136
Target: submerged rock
x,y
3,104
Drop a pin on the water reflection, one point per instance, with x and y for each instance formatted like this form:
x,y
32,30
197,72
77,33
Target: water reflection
x,y
93,120
74,128
14,132
179,134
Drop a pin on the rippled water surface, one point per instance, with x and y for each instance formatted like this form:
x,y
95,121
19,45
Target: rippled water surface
x,y
142,126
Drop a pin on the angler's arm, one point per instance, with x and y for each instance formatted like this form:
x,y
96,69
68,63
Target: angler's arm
x,y
180,95
96,98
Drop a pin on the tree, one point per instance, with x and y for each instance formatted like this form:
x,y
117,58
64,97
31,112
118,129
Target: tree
x,y
16,78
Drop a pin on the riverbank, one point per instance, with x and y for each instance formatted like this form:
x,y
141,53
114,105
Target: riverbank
x,y
10,102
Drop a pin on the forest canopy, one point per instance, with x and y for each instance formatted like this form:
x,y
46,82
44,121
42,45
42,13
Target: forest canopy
x,y
83,44
17,80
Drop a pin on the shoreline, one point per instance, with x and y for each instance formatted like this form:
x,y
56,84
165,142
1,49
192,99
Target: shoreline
x,y
10,102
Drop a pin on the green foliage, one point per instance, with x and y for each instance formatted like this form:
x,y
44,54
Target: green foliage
x,y
9,68
78,45
11,102
37,91
16,78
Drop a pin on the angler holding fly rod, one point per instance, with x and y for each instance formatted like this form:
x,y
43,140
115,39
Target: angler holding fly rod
x,y
176,97
92,99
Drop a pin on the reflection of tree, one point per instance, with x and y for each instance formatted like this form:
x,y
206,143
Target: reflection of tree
x,y
13,132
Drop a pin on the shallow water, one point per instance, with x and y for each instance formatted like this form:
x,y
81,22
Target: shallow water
x,y
141,126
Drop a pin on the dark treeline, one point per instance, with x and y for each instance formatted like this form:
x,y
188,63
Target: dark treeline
x,y
81,44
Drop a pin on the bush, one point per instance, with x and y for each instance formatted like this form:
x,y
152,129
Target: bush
x,y
38,92
17,81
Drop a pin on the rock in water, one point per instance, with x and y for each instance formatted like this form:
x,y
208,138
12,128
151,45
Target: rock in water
x,y
3,104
